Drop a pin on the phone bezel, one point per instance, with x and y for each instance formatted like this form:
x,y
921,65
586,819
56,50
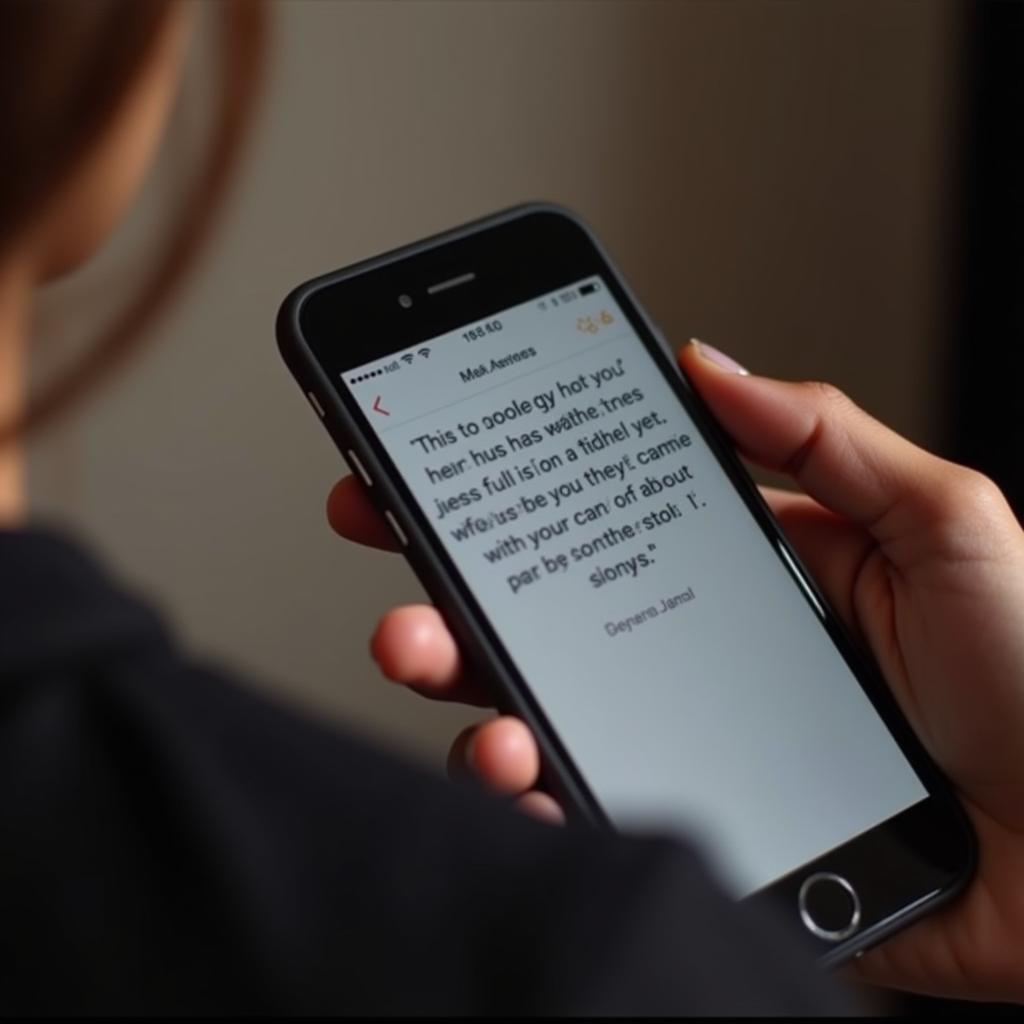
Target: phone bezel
x,y
345,319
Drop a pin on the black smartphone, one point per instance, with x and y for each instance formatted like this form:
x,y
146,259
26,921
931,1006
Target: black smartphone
x,y
609,567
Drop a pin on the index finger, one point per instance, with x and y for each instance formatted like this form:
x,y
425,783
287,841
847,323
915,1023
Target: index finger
x,y
351,514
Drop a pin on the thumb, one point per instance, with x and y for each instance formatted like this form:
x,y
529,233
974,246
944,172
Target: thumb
x,y
905,497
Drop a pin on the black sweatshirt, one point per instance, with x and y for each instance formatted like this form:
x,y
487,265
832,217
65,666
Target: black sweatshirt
x,y
173,844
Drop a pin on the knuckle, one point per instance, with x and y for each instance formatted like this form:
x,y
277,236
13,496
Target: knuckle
x,y
976,493
970,512
827,395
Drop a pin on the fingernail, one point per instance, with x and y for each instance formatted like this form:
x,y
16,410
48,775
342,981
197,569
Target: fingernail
x,y
720,359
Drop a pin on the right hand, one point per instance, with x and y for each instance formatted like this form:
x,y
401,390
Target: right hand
x,y
925,560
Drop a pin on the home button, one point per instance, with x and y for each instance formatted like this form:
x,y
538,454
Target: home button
x,y
829,906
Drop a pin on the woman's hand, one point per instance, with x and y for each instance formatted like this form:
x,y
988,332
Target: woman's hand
x,y
924,559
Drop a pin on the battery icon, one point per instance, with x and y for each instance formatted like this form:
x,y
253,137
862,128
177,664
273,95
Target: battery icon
x,y
588,289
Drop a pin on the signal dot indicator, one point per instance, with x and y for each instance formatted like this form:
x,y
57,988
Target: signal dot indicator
x,y
367,376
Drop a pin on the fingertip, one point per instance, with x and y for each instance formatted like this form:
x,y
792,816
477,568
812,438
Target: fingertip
x,y
504,755
697,354
352,515
689,355
542,807
458,756
413,647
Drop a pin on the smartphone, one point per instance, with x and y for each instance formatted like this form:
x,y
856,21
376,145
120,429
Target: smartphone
x,y
608,566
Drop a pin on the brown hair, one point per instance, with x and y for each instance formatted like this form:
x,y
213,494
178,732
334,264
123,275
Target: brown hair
x,y
64,69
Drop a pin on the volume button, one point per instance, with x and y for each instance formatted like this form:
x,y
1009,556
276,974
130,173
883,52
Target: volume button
x,y
395,528
315,402
360,468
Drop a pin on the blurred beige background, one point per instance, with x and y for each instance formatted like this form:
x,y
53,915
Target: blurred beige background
x,y
773,177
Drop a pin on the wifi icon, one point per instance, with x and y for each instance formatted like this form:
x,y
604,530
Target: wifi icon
x,y
408,358
425,352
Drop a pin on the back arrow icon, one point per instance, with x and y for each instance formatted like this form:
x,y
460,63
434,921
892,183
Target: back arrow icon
x,y
377,407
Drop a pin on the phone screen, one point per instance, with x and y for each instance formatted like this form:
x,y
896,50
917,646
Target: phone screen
x,y
683,668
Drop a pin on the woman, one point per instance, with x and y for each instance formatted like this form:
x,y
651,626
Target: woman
x,y
172,844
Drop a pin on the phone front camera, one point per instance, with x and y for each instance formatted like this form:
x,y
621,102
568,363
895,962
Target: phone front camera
x,y
405,301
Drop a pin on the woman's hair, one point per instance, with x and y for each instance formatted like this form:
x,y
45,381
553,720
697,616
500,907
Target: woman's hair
x,y
65,68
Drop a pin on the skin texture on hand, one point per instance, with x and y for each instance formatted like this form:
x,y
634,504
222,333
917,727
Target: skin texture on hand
x,y
922,558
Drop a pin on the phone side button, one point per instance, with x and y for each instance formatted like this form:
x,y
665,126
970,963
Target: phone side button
x,y
315,402
395,528
354,460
